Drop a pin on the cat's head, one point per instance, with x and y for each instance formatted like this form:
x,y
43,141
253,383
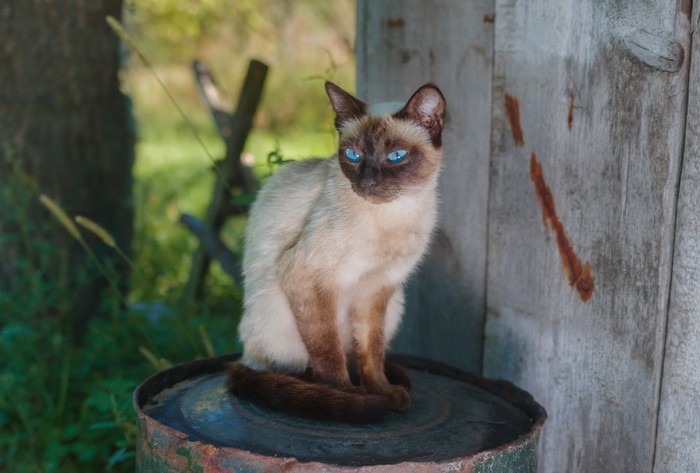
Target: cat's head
x,y
386,156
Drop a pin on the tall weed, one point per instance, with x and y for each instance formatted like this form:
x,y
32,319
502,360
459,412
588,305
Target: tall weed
x,y
66,406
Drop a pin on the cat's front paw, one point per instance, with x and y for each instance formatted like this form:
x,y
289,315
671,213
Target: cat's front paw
x,y
400,399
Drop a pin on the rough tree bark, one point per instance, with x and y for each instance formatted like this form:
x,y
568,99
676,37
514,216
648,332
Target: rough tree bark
x,y
63,117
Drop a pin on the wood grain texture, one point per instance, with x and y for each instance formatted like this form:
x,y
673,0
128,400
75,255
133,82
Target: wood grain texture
x,y
402,45
678,440
602,103
588,304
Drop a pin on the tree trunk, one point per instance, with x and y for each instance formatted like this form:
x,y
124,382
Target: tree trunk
x,y
66,125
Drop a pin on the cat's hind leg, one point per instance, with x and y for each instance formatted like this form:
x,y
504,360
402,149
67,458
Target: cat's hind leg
x,y
395,374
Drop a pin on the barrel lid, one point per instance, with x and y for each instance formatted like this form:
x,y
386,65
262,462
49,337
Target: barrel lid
x,y
453,414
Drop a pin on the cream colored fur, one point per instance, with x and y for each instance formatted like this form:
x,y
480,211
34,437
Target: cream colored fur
x,y
309,212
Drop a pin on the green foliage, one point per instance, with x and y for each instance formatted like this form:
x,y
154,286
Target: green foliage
x,y
179,21
304,42
65,406
68,407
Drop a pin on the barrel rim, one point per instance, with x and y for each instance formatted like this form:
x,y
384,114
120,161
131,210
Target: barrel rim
x,y
505,390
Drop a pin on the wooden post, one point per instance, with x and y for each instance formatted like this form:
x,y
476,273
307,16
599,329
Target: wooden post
x,y
401,45
230,167
589,110
678,442
588,116
213,100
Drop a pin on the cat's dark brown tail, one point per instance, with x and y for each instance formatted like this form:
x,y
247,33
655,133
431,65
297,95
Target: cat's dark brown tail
x,y
304,398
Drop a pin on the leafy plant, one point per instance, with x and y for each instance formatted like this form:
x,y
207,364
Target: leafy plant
x,y
65,406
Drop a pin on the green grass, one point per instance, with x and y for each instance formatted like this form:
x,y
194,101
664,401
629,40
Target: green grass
x,y
66,406
174,175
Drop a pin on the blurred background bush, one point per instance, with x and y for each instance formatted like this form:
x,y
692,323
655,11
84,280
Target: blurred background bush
x,y
304,43
65,404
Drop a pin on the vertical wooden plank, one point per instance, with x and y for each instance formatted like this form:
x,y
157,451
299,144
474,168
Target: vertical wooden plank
x,y
678,440
401,45
588,110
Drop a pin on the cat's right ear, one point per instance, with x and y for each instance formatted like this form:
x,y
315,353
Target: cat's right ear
x,y
346,106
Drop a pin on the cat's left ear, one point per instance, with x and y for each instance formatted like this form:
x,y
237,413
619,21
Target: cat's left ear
x,y
427,107
345,105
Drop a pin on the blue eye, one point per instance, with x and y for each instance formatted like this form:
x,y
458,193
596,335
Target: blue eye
x,y
397,156
352,155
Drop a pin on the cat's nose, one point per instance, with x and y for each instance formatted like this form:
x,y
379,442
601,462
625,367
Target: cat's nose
x,y
368,184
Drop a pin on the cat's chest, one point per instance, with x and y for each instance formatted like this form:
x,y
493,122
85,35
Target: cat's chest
x,y
384,244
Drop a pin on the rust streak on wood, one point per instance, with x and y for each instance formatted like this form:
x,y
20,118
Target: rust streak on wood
x,y
513,112
579,274
397,23
570,116
489,18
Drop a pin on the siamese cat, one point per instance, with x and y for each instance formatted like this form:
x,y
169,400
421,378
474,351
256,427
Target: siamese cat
x,y
329,246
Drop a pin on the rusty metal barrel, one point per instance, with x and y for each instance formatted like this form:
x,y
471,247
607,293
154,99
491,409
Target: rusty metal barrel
x,y
457,422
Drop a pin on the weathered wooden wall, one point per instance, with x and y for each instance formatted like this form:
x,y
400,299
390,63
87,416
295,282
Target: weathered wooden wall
x,y
568,236
403,44
678,442
611,165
